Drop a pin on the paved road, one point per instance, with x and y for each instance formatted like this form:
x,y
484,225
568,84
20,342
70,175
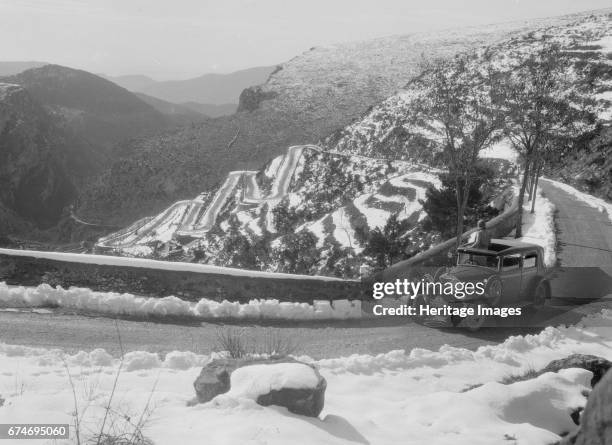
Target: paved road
x,y
76,331
200,227
584,233
584,247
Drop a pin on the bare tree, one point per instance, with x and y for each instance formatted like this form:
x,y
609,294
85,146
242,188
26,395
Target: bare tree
x,y
458,102
543,109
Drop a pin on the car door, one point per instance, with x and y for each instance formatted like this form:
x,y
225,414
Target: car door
x,y
530,274
511,277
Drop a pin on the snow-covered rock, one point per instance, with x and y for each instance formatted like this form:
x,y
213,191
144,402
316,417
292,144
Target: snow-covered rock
x,y
283,382
598,366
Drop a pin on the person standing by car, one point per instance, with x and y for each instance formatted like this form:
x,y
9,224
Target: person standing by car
x,y
481,238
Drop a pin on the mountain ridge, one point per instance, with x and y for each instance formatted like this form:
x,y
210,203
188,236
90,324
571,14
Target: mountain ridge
x,y
303,101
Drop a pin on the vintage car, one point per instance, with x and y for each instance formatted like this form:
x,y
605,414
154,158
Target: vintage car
x,y
511,273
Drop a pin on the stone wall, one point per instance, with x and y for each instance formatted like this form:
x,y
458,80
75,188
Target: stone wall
x,y
192,286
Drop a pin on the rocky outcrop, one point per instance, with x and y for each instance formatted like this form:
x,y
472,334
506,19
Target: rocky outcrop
x,y
597,365
215,379
596,420
252,97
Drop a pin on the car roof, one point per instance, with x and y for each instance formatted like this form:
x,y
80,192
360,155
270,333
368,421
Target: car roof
x,y
503,247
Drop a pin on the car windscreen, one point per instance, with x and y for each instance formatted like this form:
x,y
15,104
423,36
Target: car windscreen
x,y
476,259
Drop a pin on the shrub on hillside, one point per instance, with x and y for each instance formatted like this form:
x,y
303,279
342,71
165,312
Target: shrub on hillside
x,y
440,204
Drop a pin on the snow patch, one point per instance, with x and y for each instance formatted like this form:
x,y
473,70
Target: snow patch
x,y
596,203
539,227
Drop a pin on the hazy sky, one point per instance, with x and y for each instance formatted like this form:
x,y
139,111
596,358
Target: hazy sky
x,y
184,38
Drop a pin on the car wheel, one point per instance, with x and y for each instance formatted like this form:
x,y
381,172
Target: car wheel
x,y
540,295
474,322
493,291
455,320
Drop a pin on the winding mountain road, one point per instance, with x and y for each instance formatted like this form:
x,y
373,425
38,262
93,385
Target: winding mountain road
x,y
194,226
584,247
195,219
584,233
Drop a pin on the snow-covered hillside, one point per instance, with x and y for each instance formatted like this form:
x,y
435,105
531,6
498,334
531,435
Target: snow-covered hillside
x,y
324,201
392,129
312,209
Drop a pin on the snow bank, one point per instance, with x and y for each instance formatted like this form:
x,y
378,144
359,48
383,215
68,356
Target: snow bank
x,y
112,303
413,398
597,203
539,227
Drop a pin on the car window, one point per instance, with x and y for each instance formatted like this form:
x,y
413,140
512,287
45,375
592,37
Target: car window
x,y
511,262
475,259
530,260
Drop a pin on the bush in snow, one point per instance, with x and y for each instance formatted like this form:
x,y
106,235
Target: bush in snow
x,y
274,343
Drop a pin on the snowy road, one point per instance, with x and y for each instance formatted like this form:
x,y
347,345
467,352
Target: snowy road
x,y
73,332
197,227
585,233
584,246
194,218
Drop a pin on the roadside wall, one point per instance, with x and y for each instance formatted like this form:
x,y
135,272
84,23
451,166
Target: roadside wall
x,y
191,286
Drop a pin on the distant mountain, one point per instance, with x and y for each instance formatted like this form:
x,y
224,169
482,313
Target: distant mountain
x,y
59,128
181,114
131,82
41,163
211,88
12,68
92,107
304,101
212,110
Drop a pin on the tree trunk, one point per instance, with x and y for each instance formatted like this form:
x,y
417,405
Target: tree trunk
x,y
530,184
459,214
535,187
521,198
462,205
